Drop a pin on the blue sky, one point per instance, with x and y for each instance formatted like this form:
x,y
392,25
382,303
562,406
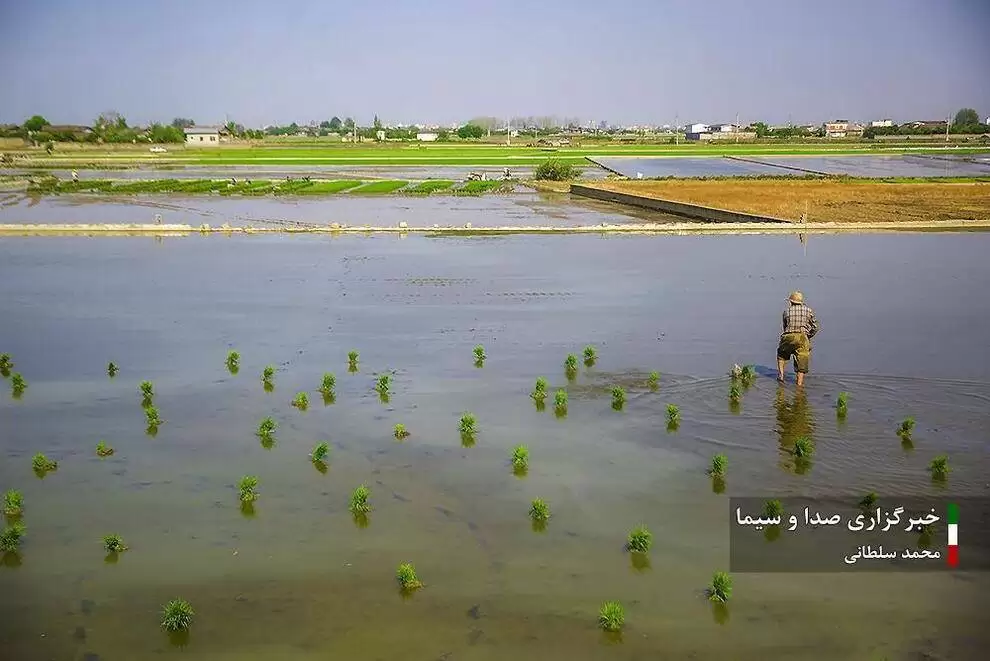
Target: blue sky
x,y
628,61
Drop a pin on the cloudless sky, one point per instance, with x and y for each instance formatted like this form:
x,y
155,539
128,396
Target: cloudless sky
x,y
623,61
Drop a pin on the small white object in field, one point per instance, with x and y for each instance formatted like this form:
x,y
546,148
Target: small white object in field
x,y
403,225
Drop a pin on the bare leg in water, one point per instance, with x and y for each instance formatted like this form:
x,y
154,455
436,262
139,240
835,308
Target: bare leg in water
x,y
781,365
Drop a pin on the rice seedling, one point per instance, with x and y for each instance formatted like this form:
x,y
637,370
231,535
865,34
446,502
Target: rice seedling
x,y
560,401
734,393
268,377
868,501
612,616
540,389
147,392
400,431
841,404
654,381
10,538
539,510
233,362
673,415
352,361
301,401
384,384
13,503
152,416
177,615
42,464
113,544
773,509
590,355
721,587
103,450
247,488
803,447
520,459
719,464
17,384
359,500
328,384
640,539
267,427
320,452
6,364
112,369
479,354
939,467
570,363
907,426
747,375
406,575
618,398
468,424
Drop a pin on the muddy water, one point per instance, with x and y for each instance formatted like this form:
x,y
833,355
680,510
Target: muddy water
x,y
299,580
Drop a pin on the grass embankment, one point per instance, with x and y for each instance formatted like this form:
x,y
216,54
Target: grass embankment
x,y
825,200
442,154
226,187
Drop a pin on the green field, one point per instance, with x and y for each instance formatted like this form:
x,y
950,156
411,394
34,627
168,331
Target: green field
x,y
450,154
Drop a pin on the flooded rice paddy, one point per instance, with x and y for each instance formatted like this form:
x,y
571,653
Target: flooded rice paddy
x,y
903,319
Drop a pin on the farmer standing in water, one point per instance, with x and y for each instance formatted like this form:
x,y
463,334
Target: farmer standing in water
x,y
800,325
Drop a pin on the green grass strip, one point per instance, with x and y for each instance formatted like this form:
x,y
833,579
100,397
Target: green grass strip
x,y
379,187
432,186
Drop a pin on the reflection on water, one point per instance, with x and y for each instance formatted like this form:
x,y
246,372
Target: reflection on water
x,y
794,418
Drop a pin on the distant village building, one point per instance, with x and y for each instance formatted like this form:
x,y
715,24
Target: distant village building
x,y
882,123
427,137
205,136
709,132
842,128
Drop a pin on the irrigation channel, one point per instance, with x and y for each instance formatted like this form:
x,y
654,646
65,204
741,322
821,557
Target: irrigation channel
x,y
903,319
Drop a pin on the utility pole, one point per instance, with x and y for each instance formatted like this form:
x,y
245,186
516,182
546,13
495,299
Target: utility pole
x,y
948,117
737,128
677,136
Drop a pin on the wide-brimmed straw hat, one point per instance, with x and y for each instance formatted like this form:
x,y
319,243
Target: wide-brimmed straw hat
x,y
796,297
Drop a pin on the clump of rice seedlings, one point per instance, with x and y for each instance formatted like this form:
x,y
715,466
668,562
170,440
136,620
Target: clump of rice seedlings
x,y
540,389
939,467
570,365
233,362
267,427
539,510
177,615
268,378
468,424
673,415
17,384
640,539
735,372
359,500
803,447
618,398
6,364
734,393
721,587
841,404
10,538
147,392
747,375
247,488
352,361
113,544
112,369
560,401
654,381
479,354
719,464
590,355
103,450
384,384
400,431
13,503
868,501
406,575
328,383
612,616
520,459
152,416
907,426
773,509
320,452
42,464
301,401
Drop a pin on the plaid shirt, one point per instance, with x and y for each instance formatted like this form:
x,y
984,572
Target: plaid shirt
x,y
800,318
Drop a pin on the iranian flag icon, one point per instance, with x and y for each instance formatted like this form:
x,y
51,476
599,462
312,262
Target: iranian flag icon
x,y
952,555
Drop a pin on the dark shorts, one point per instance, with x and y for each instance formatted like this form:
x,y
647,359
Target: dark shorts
x,y
798,346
